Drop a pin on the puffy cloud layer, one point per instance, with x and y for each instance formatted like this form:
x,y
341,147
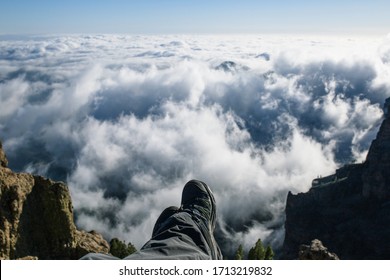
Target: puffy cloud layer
x,y
127,120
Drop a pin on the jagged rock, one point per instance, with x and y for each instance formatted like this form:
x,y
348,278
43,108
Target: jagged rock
x,y
3,158
351,212
315,251
231,66
376,179
37,220
28,258
90,242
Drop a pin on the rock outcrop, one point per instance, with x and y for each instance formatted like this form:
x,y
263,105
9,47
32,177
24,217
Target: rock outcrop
x,y
36,219
3,158
376,179
350,212
315,251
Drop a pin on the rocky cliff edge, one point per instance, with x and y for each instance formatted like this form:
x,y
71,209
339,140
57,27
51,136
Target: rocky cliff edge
x,y
36,219
349,211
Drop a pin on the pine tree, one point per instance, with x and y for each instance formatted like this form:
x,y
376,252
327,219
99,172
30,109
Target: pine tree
x,y
269,253
257,252
252,254
120,249
239,253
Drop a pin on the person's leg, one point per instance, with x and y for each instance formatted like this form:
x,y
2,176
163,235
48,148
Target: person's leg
x,y
198,199
187,232
99,256
168,212
182,233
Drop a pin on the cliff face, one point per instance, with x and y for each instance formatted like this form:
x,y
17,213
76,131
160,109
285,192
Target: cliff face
x,y
351,214
376,179
3,158
36,219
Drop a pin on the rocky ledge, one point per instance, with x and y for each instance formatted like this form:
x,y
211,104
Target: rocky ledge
x,y
315,251
349,211
36,219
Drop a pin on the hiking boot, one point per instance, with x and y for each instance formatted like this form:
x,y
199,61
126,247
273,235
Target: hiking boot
x,y
198,199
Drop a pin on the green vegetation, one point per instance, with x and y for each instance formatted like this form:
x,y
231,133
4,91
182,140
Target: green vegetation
x,y
269,253
257,252
120,249
239,253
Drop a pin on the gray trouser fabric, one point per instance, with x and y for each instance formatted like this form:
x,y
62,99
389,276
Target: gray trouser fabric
x,y
182,236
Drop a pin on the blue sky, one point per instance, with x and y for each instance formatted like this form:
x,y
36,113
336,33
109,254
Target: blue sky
x,y
190,16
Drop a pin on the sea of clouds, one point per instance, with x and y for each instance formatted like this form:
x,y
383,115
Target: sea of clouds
x,y
126,121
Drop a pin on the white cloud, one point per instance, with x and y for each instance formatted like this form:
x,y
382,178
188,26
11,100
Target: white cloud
x,y
13,96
